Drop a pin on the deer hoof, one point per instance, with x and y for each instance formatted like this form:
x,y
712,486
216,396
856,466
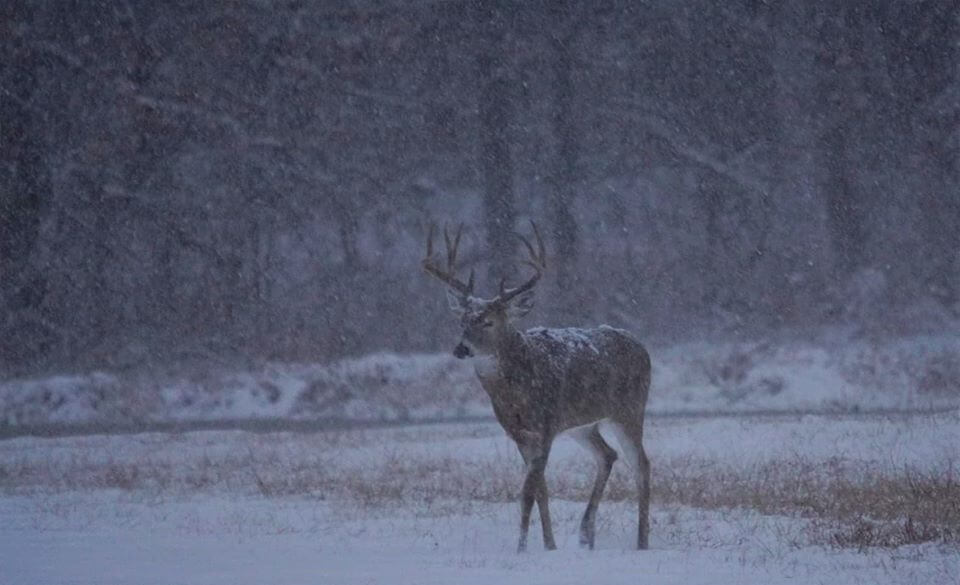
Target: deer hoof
x,y
586,536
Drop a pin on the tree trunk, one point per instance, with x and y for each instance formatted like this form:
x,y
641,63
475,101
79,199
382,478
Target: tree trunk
x,y
25,335
496,165
839,91
566,159
24,182
844,208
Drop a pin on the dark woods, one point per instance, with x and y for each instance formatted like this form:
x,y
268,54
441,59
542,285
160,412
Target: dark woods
x,y
254,179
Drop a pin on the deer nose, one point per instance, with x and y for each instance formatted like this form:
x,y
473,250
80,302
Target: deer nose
x,y
462,351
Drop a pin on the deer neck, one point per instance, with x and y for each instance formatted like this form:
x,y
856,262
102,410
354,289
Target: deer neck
x,y
509,345
495,366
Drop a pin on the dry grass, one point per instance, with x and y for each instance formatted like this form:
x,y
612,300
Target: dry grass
x,y
848,505
845,504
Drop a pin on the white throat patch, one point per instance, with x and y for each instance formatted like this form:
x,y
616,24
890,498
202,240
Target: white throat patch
x,y
486,366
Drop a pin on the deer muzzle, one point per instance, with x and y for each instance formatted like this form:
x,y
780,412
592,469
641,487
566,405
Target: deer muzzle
x,y
462,351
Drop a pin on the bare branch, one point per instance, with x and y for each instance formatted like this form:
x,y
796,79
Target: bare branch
x,y
681,144
222,120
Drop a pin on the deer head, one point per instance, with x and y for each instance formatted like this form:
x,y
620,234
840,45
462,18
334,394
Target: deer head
x,y
484,320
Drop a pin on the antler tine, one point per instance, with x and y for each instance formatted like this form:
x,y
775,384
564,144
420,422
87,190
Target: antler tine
x,y
430,242
448,275
538,261
529,246
452,250
538,258
446,241
456,239
543,249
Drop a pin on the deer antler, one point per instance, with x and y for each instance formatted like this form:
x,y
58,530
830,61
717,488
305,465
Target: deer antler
x,y
537,261
448,275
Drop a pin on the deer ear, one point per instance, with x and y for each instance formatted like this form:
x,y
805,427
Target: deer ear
x,y
456,302
521,305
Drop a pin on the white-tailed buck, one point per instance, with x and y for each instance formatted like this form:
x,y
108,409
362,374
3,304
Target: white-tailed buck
x,y
546,381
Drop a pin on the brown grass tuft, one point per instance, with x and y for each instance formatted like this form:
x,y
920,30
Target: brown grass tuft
x,y
847,504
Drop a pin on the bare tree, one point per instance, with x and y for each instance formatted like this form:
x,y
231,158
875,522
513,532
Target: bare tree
x,y
496,110
565,176
24,196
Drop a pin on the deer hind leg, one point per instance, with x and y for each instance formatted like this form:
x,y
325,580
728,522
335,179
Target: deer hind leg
x,y
605,456
535,454
630,435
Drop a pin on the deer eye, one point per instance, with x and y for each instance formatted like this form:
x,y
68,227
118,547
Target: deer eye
x,y
487,324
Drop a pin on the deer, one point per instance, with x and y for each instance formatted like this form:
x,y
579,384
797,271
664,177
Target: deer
x,y
546,381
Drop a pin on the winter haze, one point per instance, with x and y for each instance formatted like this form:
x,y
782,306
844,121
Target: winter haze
x,y
221,360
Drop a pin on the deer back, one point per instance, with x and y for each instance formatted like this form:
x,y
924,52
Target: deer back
x,y
566,377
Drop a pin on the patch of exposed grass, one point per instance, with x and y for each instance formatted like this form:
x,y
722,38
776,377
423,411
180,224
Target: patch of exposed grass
x,y
847,504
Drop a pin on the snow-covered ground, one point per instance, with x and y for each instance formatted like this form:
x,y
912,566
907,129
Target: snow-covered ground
x,y
836,374
762,499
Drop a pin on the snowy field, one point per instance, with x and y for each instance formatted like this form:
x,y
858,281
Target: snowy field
x,y
757,499
762,495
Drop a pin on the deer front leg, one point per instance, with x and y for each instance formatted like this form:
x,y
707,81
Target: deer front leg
x,y
535,451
